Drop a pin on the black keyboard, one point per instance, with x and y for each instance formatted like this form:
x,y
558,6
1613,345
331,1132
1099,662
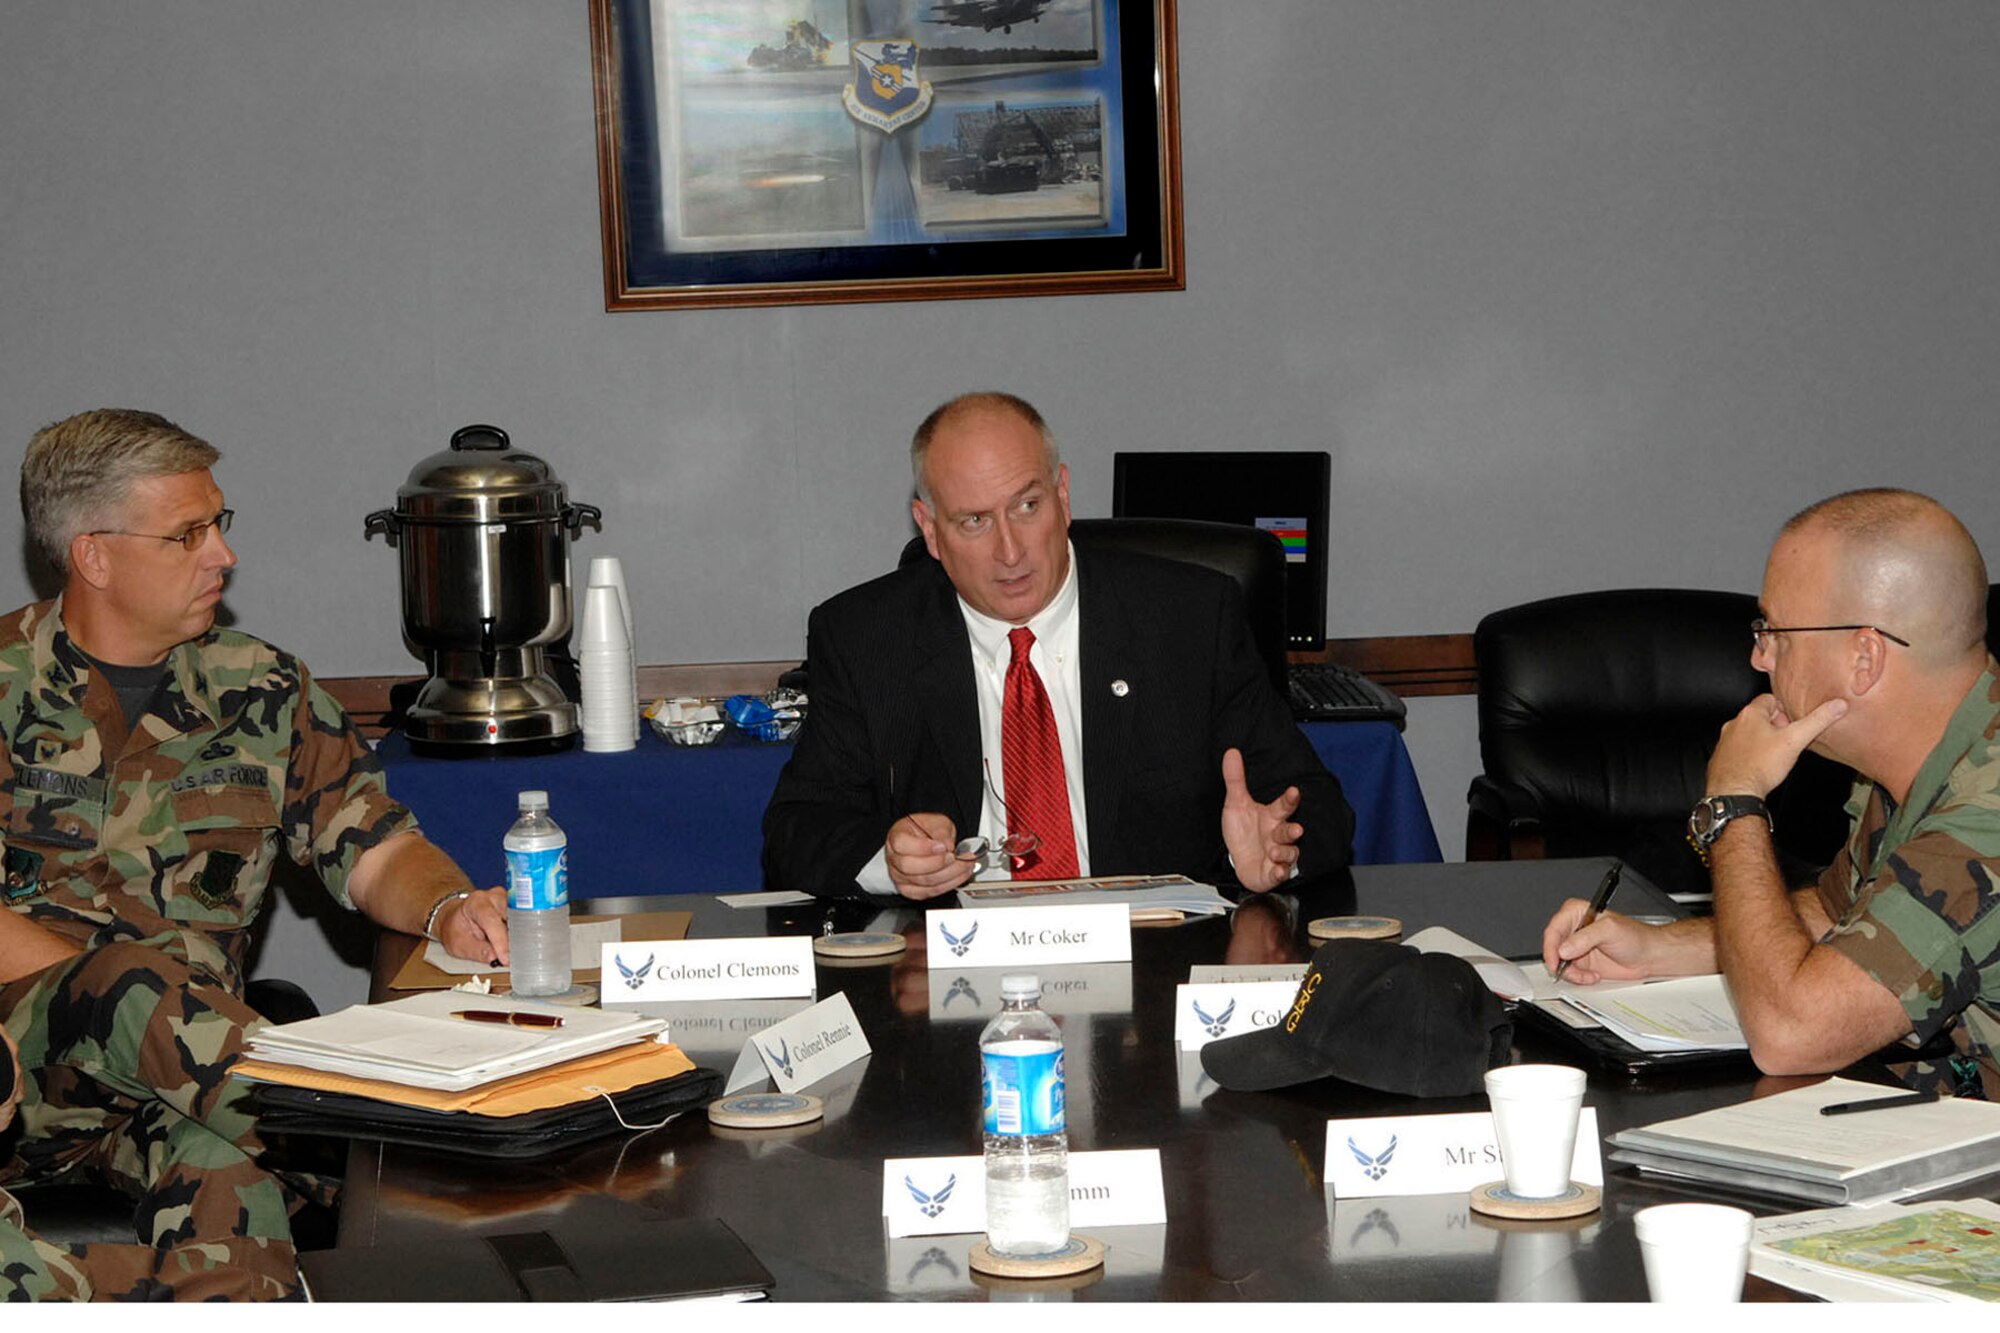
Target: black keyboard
x,y
1324,692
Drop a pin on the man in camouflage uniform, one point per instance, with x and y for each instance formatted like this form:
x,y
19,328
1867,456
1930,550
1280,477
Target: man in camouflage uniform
x,y
151,768
1873,636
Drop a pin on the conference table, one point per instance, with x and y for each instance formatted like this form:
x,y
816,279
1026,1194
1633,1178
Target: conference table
x,y
1249,1216
663,818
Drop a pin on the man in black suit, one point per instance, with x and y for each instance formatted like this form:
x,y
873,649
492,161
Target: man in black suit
x,y
1175,751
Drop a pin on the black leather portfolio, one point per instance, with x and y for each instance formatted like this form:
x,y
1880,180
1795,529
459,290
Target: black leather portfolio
x,y
642,1257
285,1110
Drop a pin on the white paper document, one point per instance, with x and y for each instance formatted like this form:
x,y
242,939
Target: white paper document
x,y
1148,897
586,939
1940,1251
1782,1144
1681,1014
417,1042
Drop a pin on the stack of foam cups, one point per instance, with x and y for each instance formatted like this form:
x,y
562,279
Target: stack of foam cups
x,y
604,664
609,571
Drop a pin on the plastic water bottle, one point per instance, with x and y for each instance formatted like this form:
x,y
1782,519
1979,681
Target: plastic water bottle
x,y
538,899
1027,1143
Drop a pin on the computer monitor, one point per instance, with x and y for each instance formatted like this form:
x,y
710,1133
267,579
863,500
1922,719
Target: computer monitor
x,y
1285,491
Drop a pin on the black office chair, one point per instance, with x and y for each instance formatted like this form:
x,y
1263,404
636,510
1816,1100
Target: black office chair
x,y
1597,715
1253,557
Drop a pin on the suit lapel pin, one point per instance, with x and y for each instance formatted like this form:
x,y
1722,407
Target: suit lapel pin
x,y
1120,688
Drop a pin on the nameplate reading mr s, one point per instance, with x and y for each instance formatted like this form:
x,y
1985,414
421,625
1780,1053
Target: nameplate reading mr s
x,y
731,969
1021,936
1433,1154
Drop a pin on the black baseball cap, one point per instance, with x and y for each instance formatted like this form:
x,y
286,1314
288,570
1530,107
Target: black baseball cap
x,y
1379,1014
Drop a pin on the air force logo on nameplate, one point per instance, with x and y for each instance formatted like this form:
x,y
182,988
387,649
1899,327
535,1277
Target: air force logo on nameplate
x,y
944,1196
752,968
1432,1154
1021,936
1204,1013
886,92
803,1049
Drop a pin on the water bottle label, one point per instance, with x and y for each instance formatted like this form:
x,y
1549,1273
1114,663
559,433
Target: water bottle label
x,y
537,880
1024,1093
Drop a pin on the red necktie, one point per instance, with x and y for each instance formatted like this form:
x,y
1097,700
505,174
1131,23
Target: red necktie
x,y
1031,764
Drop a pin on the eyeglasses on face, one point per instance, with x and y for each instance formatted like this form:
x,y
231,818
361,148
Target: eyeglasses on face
x,y
190,539
1761,631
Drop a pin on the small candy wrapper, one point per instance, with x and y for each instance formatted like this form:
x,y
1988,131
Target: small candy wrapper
x,y
771,717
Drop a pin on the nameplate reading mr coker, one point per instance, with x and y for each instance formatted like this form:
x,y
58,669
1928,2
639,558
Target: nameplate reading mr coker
x,y
732,969
1024,936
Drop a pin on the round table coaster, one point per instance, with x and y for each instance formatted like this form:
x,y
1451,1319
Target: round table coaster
x,y
1038,1287
766,1110
1079,1256
860,944
1494,1200
580,995
1355,928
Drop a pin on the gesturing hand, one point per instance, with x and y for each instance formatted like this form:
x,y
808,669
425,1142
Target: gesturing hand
x,y
1262,840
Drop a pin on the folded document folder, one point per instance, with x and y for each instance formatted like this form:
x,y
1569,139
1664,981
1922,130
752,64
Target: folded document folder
x,y
523,1116
640,1258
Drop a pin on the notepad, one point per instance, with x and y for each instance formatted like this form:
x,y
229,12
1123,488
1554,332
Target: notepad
x,y
417,1042
1782,1145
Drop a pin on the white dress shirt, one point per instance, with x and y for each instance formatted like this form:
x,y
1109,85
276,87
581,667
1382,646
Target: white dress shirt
x,y
1056,657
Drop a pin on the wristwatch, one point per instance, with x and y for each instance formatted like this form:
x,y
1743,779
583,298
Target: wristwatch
x,y
1712,813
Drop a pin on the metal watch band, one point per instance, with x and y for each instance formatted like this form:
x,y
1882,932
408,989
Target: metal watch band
x,y
430,921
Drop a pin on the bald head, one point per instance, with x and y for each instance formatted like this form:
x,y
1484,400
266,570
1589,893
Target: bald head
x,y
966,407
1899,561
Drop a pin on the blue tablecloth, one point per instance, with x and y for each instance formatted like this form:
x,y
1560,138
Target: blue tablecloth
x,y
663,819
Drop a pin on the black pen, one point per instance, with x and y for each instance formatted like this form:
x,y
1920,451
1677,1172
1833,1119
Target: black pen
x,y
1880,1103
1598,900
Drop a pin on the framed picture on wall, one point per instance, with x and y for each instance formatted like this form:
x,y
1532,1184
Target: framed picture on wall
x,y
779,152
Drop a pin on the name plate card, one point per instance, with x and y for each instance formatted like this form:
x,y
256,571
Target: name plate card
x,y
750,968
803,1049
1201,973
946,1196
1026,936
1433,1154
1085,988
1209,1011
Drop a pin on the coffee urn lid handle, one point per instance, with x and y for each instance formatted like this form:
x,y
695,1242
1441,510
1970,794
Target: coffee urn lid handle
x,y
479,437
577,516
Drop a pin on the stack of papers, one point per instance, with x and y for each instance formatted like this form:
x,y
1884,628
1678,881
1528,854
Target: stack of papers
x,y
1943,1251
1669,1014
1782,1145
418,1043
1151,897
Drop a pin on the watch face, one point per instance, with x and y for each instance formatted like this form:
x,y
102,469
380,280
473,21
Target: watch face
x,y
1704,821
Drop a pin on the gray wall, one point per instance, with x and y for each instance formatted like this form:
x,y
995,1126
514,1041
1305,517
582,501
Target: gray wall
x,y
1578,295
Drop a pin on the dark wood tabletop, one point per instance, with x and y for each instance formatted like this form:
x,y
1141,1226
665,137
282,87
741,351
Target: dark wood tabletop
x,y
1249,1217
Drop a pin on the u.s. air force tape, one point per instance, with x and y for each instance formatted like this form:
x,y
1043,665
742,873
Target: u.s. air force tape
x,y
766,1110
1355,928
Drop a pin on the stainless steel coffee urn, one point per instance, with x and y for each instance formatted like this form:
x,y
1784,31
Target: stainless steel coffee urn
x,y
484,531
